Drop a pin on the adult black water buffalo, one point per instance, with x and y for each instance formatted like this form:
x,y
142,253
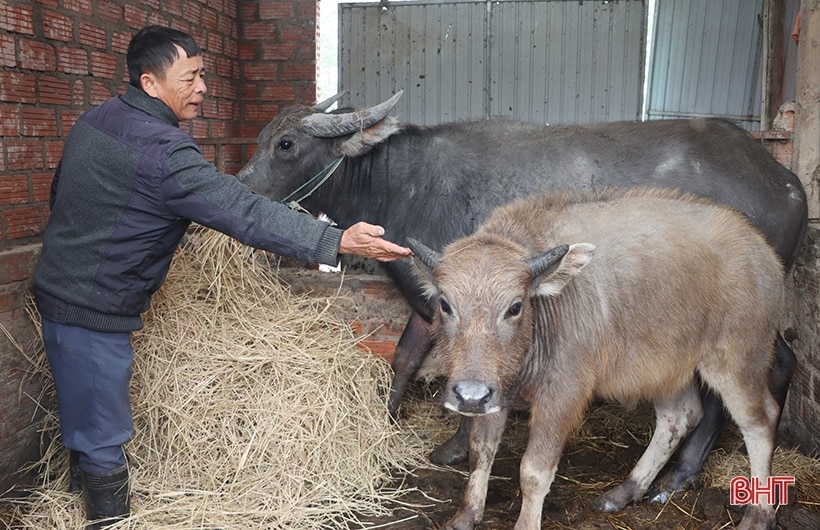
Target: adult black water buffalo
x,y
438,183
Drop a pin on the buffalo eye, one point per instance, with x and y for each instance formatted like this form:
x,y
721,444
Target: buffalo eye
x,y
285,144
515,309
445,307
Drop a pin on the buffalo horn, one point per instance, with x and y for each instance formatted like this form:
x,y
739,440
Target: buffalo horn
x,y
540,263
324,105
333,125
427,255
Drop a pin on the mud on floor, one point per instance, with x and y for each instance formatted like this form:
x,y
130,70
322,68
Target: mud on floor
x,y
601,456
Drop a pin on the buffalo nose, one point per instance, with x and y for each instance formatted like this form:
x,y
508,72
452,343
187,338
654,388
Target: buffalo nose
x,y
472,396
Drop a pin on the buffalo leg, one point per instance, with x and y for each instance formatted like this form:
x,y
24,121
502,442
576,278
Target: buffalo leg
x,y
456,449
696,448
484,439
413,345
674,417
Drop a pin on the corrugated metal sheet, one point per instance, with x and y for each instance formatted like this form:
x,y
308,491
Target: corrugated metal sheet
x,y
554,61
542,61
706,60
567,62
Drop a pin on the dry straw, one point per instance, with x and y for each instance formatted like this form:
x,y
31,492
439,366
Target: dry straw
x,y
253,408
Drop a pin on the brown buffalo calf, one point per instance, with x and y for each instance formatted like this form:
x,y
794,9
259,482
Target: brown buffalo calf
x,y
557,300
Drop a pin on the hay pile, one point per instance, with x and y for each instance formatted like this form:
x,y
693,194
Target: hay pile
x,y
252,407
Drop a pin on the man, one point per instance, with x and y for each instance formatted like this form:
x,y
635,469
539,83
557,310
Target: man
x,y
128,185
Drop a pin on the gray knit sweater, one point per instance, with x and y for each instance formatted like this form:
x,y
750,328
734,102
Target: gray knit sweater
x,y
126,189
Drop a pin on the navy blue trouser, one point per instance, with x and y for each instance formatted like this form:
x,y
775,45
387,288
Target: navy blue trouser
x,y
92,375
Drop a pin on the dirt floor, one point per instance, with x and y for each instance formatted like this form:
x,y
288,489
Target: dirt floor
x,y
601,456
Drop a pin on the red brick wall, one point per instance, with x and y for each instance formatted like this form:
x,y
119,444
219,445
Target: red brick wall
x,y
61,57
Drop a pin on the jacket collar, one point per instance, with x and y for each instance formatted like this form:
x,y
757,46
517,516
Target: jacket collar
x,y
153,106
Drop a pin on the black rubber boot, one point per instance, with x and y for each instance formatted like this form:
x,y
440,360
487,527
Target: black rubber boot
x,y
106,497
75,484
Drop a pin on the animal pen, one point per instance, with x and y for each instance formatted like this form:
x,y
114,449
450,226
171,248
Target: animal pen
x,y
257,399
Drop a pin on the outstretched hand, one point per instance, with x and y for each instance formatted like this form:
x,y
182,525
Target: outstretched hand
x,y
364,239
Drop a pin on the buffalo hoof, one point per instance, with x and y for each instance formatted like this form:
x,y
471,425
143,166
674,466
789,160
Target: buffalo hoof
x,y
616,498
450,453
758,517
462,520
665,487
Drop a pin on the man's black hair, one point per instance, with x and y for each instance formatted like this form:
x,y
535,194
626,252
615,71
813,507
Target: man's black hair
x,y
153,49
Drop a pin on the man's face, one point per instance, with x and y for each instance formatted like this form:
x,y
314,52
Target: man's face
x,y
182,88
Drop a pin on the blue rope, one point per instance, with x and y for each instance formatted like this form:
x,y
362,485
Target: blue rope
x,y
321,177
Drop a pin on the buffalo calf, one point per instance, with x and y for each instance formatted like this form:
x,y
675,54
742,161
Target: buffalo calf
x,y
627,296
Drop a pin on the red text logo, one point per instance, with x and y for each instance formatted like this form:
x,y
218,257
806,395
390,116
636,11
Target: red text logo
x,y
745,491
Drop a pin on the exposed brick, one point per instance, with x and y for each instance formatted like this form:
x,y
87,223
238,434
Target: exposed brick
x,y
41,186
210,20
109,10
296,71
67,119
260,112
298,32
277,92
247,52
248,12
119,41
11,301
231,47
36,55
79,6
200,128
57,26
381,348
17,87
18,18
251,130
192,12
103,65
275,11
39,121
263,71
135,17
227,26
73,60
93,36
9,120
225,89
8,57
54,150
24,154
209,108
14,190
100,93
278,51
53,91
23,223
260,31
16,264
173,7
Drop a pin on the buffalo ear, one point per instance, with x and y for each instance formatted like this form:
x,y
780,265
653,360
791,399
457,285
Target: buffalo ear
x,y
425,260
551,280
363,140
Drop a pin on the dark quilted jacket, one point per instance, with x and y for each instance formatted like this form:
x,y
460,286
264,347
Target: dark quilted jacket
x,y
126,189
